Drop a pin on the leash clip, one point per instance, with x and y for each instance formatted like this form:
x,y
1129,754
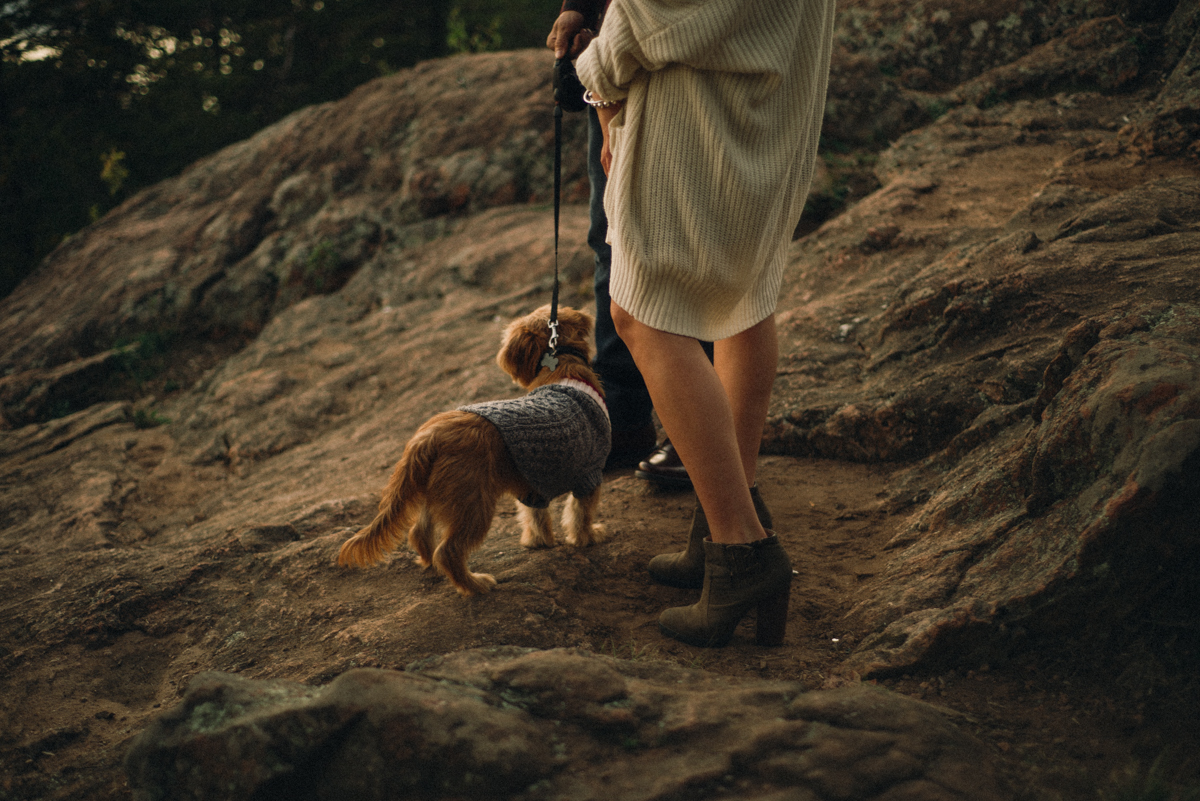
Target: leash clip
x,y
550,359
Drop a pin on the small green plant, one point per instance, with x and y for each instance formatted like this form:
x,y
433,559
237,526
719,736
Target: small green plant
x,y
820,206
829,144
1010,23
113,172
992,98
148,418
1142,45
140,357
59,408
322,262
630,651
936,109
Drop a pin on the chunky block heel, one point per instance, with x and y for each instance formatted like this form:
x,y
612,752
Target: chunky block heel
x,y
737,578
770,622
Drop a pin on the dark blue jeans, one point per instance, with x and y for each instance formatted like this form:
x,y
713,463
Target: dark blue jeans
x,y
628,400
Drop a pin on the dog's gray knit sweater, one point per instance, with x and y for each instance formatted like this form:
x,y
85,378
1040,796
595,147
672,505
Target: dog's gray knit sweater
x,y
558,436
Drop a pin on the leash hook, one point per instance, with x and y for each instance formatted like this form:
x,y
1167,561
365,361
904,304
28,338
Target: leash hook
x,y
550,358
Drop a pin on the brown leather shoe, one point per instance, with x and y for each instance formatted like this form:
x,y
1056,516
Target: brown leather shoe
x,y
664,467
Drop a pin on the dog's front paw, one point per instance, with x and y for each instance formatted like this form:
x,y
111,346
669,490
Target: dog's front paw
x,y
591,535
537,538
536,531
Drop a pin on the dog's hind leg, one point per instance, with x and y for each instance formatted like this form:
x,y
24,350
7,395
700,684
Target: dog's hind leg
x,y
578,528
402,498
422,536
467,525
536,531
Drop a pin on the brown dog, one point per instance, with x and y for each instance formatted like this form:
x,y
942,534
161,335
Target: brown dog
x,y
445,488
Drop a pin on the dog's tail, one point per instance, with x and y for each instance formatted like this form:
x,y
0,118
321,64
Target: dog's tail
x,y
402,501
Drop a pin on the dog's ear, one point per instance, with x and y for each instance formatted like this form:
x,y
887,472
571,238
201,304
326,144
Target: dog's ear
x,y
575,320
525,340
574,328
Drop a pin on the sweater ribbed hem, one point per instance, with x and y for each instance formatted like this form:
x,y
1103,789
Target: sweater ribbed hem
x,y
654,299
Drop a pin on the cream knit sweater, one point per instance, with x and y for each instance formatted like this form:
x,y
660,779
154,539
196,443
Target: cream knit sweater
x,y
713,152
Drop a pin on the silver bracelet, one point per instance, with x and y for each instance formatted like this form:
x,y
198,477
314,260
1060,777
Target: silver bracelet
x,y
596,102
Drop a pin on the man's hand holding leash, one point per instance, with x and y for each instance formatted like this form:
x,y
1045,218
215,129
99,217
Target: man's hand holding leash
x,y
569,37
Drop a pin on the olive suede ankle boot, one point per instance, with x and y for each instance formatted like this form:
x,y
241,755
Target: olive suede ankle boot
x,y
737,578
685,569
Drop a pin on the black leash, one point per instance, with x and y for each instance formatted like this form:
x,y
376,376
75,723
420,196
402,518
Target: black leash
x,y
568,92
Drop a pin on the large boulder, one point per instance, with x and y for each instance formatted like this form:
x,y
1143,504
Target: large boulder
x,y
1079,511
560,724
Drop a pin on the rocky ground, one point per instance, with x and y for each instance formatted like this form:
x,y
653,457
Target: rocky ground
x,y
981,453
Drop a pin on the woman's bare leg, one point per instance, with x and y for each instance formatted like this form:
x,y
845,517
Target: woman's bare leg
x,y
714,413
747,364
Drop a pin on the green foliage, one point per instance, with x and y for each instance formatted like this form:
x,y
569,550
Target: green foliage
x,y
936,109
165,83
479,40
59,408
517,23
850,176
142,358
148,418
829,145
113,173
148,88
321,265
993,98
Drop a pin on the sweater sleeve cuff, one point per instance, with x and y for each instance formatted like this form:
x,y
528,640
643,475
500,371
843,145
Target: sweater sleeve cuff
x,y
592,75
